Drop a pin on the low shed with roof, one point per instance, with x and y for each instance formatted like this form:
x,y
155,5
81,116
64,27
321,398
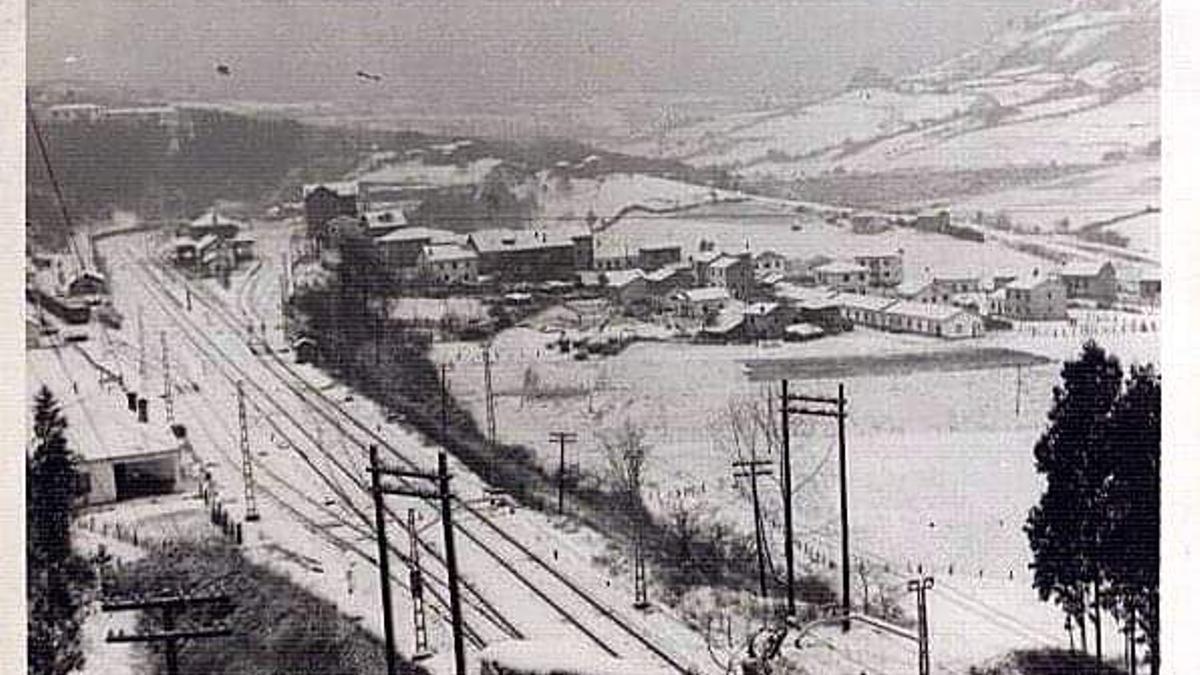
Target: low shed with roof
x,y
122,455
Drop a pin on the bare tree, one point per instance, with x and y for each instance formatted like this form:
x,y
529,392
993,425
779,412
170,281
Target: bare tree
x,y
626,451
737,629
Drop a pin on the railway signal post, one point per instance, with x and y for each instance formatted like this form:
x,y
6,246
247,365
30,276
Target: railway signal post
x,y
441,480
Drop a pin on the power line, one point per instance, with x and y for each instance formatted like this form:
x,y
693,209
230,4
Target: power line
x,y
58,194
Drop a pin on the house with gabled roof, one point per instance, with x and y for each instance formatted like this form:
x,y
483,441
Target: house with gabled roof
x,y
1036,297
1090,280
937,320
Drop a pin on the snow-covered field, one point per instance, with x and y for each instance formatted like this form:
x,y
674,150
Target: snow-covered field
x,y
605,196
1081,198
416,172
761,226
941,470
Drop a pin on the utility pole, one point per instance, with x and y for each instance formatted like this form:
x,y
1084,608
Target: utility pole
x,y
421,650
168,397
247,464
788,528
141,351
170,605
491,398
1018,403
444,394
283,300
640,597
752,469
823,406
442,480
920,586
562,438
385,578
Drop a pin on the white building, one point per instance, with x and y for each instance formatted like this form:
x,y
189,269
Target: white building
x,y
864,310
843,276
945,321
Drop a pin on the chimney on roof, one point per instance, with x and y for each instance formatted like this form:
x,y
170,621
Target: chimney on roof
x,y
131,399
143,414
1035,272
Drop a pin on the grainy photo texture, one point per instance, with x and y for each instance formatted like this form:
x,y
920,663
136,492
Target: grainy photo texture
x,y
593,337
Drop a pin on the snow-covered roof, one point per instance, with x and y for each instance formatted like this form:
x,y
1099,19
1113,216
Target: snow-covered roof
x,y
499,239
417,234
622,278
804,329
761,308
875,253
100,426
199,244
1029,283
662,274
1084,268
706,294
923,310
447,253
340,188
840,267
910,287
386,218
707,256
872,303
212,218
726,262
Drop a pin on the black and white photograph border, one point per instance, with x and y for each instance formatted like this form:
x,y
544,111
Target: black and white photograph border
x,y
600,337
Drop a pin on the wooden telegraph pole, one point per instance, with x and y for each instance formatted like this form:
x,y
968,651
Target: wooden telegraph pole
x,y
490,397
171,606
788,528
920,586
823,406
562,438
442,480
168,396
752,469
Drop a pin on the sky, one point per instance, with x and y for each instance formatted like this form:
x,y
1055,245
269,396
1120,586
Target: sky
x,y
499,50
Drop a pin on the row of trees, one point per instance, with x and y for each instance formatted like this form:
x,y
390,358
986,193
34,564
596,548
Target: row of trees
x,y
1095,532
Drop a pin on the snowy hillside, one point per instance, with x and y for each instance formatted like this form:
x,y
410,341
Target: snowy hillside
x,y
1077,85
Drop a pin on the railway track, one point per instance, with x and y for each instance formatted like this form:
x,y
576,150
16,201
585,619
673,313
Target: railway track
x,y
232,372
503,552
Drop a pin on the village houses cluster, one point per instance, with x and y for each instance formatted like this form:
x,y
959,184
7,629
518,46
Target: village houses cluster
x,y
727,296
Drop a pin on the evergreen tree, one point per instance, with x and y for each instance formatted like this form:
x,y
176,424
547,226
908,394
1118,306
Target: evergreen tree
x,y
53,482
54,575
1065,529
1130,543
